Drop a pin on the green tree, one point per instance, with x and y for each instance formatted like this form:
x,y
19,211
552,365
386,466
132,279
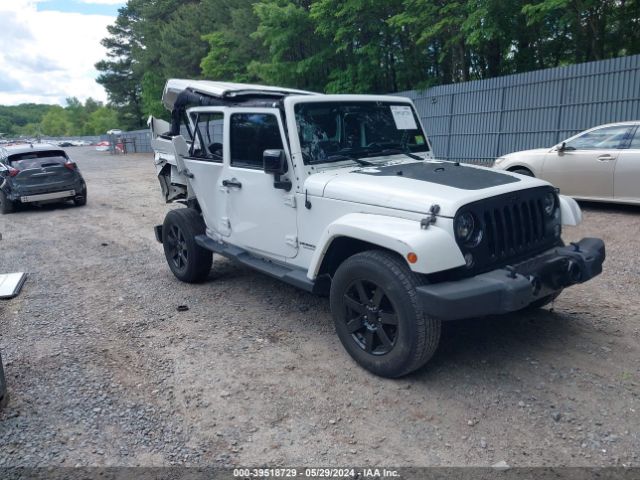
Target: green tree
x,y
152,88
183,32
231,46
296,56
119,73
55,123
349,45
101,120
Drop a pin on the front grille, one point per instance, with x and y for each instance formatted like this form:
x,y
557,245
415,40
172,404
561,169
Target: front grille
x,y
515,227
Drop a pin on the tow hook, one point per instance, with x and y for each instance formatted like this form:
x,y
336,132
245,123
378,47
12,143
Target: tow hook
x,y
536,285
574,271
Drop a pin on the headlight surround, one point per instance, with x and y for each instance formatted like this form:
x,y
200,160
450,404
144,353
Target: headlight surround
x,y
468,230
549,204
499,160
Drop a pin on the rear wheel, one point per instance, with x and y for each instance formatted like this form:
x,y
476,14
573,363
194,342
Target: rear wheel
x,y
187,260
6,205
80,200
378,316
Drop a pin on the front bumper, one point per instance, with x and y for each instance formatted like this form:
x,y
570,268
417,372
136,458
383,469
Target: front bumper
x,y
513,288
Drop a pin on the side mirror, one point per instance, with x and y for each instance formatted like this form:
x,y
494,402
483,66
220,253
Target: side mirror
x,y
562,147
274,162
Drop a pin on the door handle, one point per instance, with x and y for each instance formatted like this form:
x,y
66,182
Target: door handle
x,y
605,158
231,183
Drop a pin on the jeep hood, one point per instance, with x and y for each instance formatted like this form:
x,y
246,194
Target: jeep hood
x,y
416,186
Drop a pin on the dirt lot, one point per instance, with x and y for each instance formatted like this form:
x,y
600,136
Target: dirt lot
x,y
104,370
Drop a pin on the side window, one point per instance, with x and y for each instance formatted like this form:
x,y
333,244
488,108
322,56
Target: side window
x,y
251,135
602,138
635,142
208,140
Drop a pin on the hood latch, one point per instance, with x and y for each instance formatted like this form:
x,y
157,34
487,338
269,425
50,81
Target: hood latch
x,y
431,218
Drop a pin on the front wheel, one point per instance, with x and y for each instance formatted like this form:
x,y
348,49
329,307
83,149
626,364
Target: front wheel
x,y
187,260
378,316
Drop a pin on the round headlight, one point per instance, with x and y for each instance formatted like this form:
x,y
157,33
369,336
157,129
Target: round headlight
x,y
549,204
465,225
468,230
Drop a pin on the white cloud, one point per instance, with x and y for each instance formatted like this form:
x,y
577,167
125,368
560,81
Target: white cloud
x,y
47,56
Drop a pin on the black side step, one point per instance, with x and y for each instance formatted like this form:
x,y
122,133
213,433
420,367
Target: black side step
x,y
291,275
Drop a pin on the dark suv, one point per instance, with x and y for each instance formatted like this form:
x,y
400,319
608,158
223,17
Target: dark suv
x,y
38,173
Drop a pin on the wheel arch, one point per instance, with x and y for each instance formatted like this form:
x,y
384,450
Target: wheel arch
x,y
513,168
355,232
343,247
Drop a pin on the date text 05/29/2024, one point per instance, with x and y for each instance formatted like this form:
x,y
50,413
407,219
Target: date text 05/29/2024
x,y
314,473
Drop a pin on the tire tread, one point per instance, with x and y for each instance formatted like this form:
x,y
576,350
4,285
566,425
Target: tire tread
x,y
192,224
428,328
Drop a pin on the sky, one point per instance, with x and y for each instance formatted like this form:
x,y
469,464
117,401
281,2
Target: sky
x,y
48,49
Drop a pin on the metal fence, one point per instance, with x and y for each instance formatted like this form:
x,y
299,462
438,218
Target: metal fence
x,y
481,120
135,141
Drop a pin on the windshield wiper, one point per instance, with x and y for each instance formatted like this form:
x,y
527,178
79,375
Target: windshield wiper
x,y
344,156
379,149
392,151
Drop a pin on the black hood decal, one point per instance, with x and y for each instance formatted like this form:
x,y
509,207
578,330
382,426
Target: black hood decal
x,y
448,174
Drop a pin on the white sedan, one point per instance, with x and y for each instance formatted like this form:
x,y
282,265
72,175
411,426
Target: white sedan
x,y
600,164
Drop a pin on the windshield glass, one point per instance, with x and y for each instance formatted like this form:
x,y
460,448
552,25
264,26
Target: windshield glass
x,y
336,131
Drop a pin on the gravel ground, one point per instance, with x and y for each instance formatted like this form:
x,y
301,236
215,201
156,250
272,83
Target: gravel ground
x,y
104,370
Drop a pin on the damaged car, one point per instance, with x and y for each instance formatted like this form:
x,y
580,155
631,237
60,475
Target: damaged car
x,y
38,174
340,195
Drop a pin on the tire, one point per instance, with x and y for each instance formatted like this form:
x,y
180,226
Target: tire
x,y
187,260
80,200
6,205
523,171
544,301
385,283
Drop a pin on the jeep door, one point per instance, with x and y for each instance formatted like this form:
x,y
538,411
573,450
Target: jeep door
x,y
262,217
204,164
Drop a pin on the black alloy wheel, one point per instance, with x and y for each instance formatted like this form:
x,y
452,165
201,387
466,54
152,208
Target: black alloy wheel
x,y
371,317
177,247
378,316
187,260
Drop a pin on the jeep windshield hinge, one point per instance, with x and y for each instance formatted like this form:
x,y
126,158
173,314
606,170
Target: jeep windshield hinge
x,y
282,184
431,218
290,201
291,240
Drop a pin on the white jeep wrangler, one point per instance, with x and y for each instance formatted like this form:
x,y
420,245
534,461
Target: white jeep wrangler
x,y
339,195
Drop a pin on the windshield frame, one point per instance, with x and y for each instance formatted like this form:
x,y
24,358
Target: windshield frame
x,y
293,105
